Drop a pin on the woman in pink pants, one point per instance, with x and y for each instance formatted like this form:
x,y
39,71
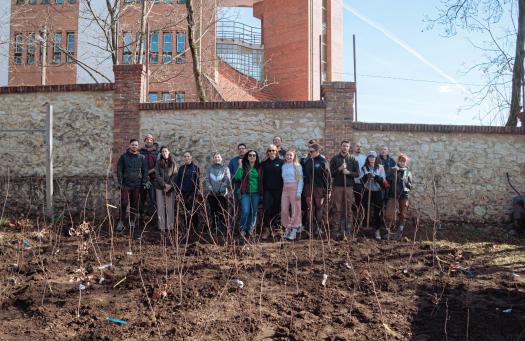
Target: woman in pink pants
x,y
292,173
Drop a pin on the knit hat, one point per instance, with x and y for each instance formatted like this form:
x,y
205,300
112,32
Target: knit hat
x,y
371,153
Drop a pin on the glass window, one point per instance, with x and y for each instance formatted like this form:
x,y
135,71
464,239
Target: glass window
x,y
31,49
70,46
59,2
152,97
181,42
181,1
140,42
168,1
57,48
180,97
127,57
72,1
154,48
45,2
32,2
167,48
166,97
18,48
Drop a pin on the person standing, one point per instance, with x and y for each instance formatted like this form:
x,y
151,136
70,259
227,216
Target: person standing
x,y
278,142
292,176
358,186
317,181
399,178
373,177
165,176
233,165
188,187
150,150
249,174
132,175
218,185
344,168
273,188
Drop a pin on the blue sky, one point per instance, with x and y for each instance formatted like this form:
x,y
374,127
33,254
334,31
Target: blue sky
x,y
400,101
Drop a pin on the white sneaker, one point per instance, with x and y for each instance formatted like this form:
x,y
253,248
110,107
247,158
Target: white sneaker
x,y
120,226
291,235
378,235
401,228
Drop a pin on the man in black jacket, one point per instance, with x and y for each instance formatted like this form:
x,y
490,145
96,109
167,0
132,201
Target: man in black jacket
x,y
132,176
344,168
317,182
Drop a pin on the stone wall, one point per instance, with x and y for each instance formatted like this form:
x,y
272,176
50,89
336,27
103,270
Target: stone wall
x,y
205,131
83,138
468,167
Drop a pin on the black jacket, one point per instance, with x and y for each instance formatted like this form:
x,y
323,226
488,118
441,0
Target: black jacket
x,y
318,171
132,170
351,165
272,174
188,178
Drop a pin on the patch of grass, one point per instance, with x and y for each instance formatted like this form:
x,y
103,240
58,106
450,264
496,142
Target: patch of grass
x,y
4,222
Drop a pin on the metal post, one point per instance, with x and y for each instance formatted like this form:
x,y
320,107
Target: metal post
x,y
355,78
49,162
320,64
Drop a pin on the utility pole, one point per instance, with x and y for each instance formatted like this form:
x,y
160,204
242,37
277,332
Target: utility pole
x,y
49,162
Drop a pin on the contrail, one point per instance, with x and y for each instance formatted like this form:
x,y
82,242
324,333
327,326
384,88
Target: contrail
x,y
402,44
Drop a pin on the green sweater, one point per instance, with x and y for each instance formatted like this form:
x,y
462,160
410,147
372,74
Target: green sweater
x,y
253,179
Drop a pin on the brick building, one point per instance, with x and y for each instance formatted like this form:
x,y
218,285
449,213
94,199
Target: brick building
x,y
298,45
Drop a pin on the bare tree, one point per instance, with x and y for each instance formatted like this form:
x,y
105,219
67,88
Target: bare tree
x,y
503,68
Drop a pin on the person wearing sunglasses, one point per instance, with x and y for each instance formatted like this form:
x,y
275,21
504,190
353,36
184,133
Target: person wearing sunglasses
x,y
273,188
249,174
317,181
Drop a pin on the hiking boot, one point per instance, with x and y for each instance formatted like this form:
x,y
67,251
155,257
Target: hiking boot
x,y
291,235
378,234
120,226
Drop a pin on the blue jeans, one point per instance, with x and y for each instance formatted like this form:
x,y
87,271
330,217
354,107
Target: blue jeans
x,y
249,205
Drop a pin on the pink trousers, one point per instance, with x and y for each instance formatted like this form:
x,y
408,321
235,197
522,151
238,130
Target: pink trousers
x,y
289,199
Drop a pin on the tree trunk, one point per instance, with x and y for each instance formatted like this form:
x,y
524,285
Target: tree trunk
x,y
517,73
140,41
113,32
195,53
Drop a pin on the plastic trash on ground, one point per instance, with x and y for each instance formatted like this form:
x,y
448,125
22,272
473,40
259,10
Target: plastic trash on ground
x,y
117,321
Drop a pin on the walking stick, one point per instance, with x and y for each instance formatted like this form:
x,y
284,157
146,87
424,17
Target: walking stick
x,y
368,208
395,198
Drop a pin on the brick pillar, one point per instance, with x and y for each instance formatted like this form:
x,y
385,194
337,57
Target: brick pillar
x,y
339,114
129,93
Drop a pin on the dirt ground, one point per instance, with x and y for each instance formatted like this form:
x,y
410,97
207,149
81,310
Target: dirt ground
x,y
467,284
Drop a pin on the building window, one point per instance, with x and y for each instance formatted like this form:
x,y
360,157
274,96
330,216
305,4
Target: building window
x,y
70,46
166,97
180,97
168,1
20,2
167,48
181,1
31,49
57,48
154,48
152,97
181,42
72,1
32,2
127,57
59,2
45,2
18,48
43,42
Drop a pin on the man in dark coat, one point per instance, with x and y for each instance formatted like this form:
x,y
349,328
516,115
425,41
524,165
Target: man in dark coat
x,y
132,176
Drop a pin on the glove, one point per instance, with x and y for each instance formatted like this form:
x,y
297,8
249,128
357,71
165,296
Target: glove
x,y
147,185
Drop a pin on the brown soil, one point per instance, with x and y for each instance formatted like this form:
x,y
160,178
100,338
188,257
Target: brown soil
x,y
461,287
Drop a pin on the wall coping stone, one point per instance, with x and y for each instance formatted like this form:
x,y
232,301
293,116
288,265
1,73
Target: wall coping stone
x,y
233,105
57,88
438,128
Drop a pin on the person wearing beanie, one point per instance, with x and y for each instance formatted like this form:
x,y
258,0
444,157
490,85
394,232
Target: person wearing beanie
x,y
400,183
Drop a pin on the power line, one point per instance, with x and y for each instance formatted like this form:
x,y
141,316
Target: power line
x,y
408,79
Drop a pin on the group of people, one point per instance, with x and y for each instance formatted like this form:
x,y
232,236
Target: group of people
x,y
295,191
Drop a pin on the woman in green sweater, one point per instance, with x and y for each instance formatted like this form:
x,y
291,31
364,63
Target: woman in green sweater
x,y
250,176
